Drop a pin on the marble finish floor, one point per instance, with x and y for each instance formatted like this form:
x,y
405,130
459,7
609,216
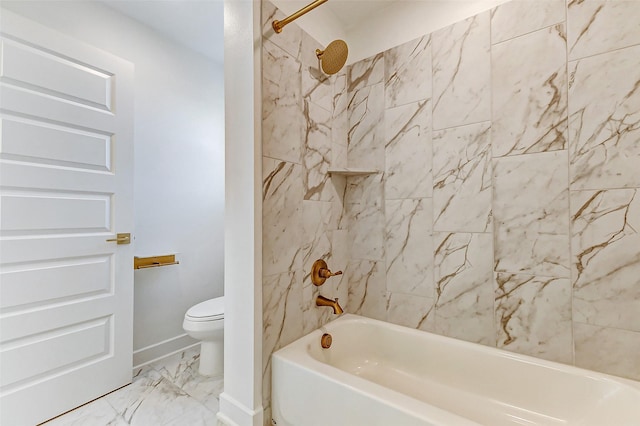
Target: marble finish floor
x,y
167,392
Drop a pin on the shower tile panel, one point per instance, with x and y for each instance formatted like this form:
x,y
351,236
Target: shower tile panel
x,y
366,135
317,153
533,316
366,231
316,217
282,115
608,350
529,78
282,300
310,313
531,214
599,26
463,276
367,189
515,18
282,216
339,216
411,311
340,123
462,73
604,134
317,87
364,203
339,156
408,151
367,72
290,40
407,70
317,223
409,246
462,192
367,291
340,262
307,56
605,233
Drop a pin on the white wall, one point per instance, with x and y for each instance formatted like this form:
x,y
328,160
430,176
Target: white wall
x,y
179,164
385,23
403,21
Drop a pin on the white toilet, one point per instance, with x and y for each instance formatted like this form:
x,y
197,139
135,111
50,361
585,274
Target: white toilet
x,y
205,322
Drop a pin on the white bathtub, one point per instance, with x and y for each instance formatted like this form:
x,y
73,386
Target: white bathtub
x,y
377,373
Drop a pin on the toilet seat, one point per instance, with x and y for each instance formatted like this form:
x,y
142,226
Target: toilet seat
x,y
209,310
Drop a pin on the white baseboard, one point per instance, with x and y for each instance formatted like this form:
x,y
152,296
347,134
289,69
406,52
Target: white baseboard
x,y
224,420
234,413
162,349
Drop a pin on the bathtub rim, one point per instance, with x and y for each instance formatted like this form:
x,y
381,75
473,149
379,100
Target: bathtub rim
x,y
297,351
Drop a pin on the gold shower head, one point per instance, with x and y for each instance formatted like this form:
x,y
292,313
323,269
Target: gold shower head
x,y
333,58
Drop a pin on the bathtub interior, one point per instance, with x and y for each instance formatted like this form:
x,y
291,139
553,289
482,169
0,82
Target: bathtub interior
x,y
487,385
306,393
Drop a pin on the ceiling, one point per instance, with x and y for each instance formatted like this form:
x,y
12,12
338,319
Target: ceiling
x,y
196,24
373,26
368,26
347,13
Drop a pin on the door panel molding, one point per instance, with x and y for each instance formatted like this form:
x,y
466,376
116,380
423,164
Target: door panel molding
x,y
66,186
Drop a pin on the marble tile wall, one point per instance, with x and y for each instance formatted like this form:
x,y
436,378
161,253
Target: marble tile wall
x,y
304,131
506,210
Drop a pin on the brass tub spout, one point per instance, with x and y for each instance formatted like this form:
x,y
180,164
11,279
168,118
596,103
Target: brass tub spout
x,y
323,301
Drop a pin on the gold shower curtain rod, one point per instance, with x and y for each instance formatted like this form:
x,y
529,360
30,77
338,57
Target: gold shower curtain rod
x,y
278,25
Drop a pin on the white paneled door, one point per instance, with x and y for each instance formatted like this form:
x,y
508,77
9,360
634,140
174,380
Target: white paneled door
x,y
66,177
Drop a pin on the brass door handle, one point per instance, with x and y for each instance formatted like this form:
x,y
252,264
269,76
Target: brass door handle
x,y
124,238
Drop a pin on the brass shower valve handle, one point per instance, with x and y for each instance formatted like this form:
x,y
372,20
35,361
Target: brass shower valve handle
x,y
325,273
320,272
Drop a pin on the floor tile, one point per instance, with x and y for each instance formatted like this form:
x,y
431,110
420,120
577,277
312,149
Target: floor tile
x,y
167,392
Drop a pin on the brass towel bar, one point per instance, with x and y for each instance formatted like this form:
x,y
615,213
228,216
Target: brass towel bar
x,y
154,261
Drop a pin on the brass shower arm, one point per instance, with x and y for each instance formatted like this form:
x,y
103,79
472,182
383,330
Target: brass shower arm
x,y
278,25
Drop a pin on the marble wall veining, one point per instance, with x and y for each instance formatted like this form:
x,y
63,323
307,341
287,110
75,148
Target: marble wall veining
x,y
506,207
304,131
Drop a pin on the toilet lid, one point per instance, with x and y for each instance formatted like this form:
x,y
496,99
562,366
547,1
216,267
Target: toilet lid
x,y
208,310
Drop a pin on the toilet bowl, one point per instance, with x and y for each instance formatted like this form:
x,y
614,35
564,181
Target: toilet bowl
x,y
205,322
